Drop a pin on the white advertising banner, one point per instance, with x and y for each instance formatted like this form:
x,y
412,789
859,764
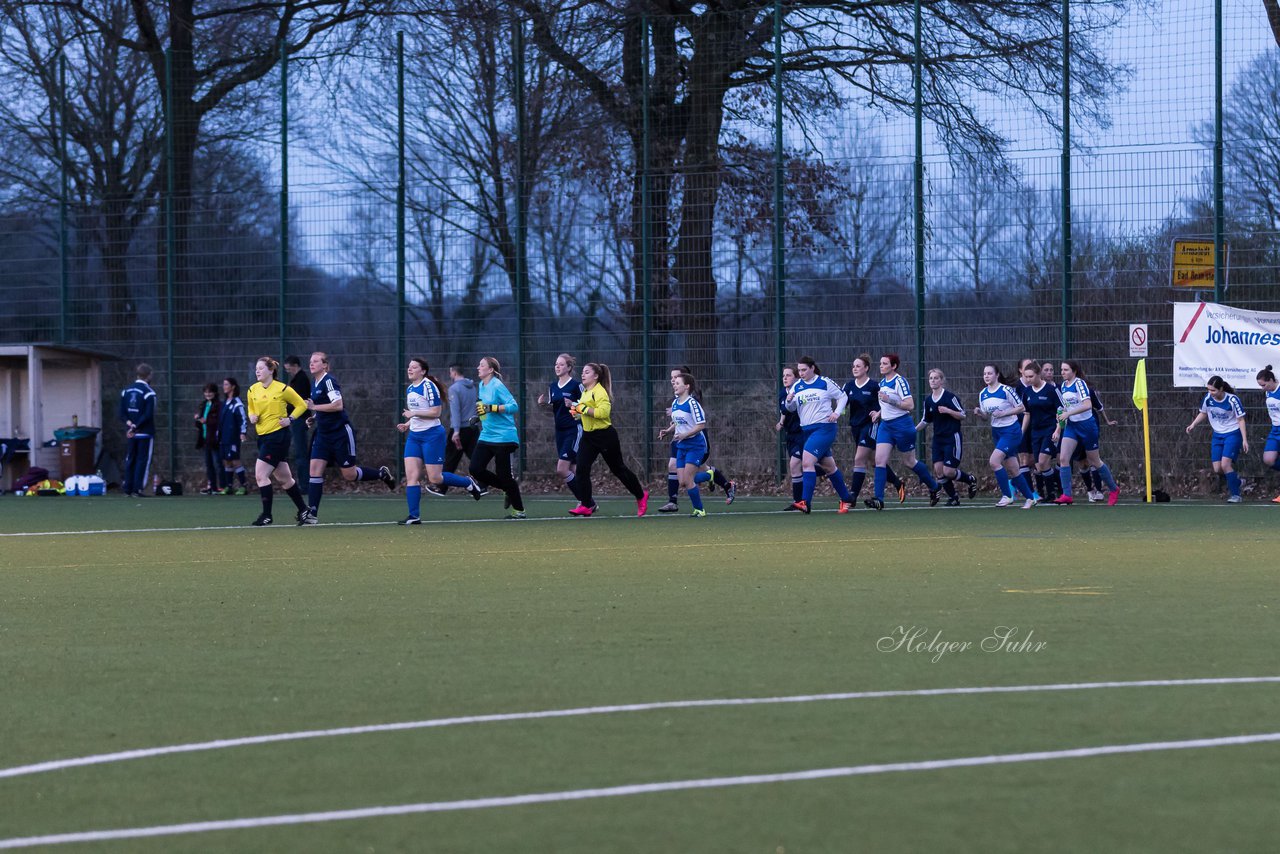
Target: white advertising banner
x,y
1232,343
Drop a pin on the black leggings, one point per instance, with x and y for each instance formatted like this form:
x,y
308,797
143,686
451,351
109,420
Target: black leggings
x,y
602,443
500,453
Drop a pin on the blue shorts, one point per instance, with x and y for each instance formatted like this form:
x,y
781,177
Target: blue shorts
x,y
1042,442
948,450
426,445
1225,446
864,434
1273,440
567,443
1084,432
229,452
691,452
795,445
899,432
1007,439
818,439
338,448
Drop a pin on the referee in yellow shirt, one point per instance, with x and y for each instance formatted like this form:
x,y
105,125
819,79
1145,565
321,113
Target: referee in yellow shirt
x,y
600,439
270,412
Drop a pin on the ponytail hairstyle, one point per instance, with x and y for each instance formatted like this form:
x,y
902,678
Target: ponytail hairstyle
x,y
235,386
426,371
1266,375
1000,377
808,360
602,372
494,365
690,383
1075,368
272,364
1217,382
568,360
864,358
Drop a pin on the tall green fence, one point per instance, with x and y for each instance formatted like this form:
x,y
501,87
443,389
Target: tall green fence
x,y
462,190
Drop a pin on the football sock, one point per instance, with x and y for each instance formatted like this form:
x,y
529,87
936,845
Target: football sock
x,y
721,480
315,489
295,492
1021,483
1002,480
880,477
797,488
239,476
859,478
1104,474
892,477
810,481
451,479
413,495
1064,475
1233,482
837,483
673,487
265,492
950,486
695,497
922,472
702,477
363,473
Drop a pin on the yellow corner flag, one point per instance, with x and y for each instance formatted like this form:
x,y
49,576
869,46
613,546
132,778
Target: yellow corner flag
x,y
1140,401
1140,385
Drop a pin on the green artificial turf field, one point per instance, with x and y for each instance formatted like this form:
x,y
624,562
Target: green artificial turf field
x,y
127,625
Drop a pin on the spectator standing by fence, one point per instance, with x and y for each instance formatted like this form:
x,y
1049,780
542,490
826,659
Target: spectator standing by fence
x,y
138,412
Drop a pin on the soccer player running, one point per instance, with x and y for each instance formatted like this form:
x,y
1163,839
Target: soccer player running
x,y
1226,416
424,440
944,411
789,426
334,440
820,403
673,478
233,426
600,439
688,432
864,411
499,438
1002,405
560,391
1078,427
1271,450
1041,402
897,430
138,412
273,406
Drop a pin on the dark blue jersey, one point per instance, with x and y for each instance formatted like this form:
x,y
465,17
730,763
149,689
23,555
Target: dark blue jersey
x,y
1042,405
944,426
790,420
572,390
138,407
327,390
862,402
233,421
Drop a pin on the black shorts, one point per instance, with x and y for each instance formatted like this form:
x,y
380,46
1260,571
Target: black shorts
x,y
273,448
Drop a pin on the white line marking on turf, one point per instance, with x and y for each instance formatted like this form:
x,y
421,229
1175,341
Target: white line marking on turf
x,y
635,789
585,711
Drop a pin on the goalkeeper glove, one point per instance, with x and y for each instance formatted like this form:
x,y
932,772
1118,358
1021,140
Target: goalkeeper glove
x,y
482,410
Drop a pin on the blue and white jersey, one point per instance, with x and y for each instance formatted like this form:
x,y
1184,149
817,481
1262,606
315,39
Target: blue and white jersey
x,y
233,421
138,404
420,396
557,395
1224,415
897,389
1073,394
998,404
687,417
863,400
1042,405
816,400
1273,406
325,389
944,426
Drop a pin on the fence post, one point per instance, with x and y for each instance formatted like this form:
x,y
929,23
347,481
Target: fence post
x,y
1066,179
282,298
646,259
64,267
521,247
1219,208
918,193
401,355
170,259
779,235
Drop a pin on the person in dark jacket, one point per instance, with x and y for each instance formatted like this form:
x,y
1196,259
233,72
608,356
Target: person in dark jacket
x,y
138,412
299,447
207,436
464,426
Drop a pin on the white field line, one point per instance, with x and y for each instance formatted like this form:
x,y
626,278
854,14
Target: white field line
x,y
586,711
633,789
